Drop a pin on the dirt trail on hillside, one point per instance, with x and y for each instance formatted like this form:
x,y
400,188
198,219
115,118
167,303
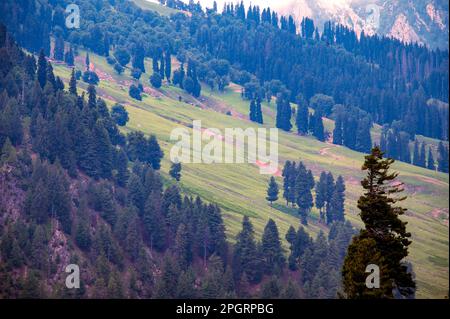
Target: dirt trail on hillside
x,y
258,163
325,152
440,214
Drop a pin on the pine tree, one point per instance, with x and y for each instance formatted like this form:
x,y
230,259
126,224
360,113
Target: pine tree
x,y
121,166
338,132
272,252
321,194
252,115
442,158
318,127
258,111
186,285
154,223
270,289
300,243
42,69
8,153
68,57
167,283
183,247
58,51
73,83
168,64
92,96
133,237
416,154
422,156
304,199
363,138
103,149
284,112
337,201
87,62
286,177
272,191
384,235
154,153
430,163
246,259
302,116
175,171
291,291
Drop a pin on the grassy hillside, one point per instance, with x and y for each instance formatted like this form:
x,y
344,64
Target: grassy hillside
x,y
240,189
162,10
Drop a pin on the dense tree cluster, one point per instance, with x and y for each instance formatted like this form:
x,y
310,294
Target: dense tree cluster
x,y
319,260
409,76
134,237
352,128
298,183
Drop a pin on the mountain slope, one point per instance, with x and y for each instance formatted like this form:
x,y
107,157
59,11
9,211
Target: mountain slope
x,y
160,111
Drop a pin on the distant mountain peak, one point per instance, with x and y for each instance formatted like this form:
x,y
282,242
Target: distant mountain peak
x,y
421,21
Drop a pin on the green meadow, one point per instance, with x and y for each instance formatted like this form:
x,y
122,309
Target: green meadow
x,y
240,189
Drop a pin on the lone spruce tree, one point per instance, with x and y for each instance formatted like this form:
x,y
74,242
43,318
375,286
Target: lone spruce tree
x,y
384,241
272,191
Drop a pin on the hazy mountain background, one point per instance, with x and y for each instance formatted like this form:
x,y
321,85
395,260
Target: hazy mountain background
x,y
421,21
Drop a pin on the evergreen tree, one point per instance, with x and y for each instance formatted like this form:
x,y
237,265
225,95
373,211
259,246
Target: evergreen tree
x,y
8,154
11,123
272,191
252,115
338,132
422,156
318,127
58,50
42,69
284,112
154,152
103,149
186,285
272,252
442,158
321,194
271,289
258,111
304,199
168,66
416,154
246,259
430,163
182,247
290,291
302,116
135,92
167,283
154,223
69,58
92,97
363,138
300,244
384,235
87,62
337,202
138,58
73,83
155,80
175,171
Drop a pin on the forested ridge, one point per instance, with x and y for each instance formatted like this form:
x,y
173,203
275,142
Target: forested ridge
x,y
71,196
79,191
389,80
